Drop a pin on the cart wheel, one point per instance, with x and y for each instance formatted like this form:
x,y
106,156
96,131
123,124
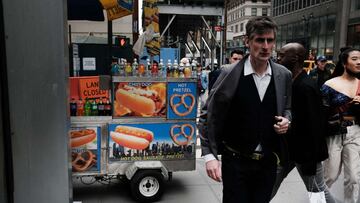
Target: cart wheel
x,y
147,185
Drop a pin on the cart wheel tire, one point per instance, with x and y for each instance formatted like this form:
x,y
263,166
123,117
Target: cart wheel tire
x,y
147,185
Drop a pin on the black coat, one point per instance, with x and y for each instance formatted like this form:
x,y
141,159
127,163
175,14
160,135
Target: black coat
x,y
307,144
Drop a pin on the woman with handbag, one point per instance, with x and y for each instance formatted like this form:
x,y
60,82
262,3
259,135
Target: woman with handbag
x,y
341,97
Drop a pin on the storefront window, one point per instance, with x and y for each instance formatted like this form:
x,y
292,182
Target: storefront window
x,y
355,5
322,25
290,31
354,36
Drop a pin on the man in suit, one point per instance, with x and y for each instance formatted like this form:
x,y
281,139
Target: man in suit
x,y
247,114
307,145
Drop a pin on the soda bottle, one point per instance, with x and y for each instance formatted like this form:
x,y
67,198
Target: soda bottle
x,y
73,107
94,108
80,107
194,69
101,107
162,69
148,68
115,69
108,108
141,70
181,70
87,107
135,67
128,69
154,70
187,70
121,67
169,69
175,69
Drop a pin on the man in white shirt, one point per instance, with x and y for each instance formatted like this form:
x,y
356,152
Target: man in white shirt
x,y
246,114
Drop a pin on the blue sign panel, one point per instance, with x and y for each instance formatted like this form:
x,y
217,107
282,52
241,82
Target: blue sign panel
x,y
152,141
181,100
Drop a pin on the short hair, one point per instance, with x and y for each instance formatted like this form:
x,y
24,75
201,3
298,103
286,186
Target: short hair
x,y
237,51
260,25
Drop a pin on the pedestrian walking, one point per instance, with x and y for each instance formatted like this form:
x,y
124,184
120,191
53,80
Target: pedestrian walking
x,y
307,145
341,97
320,73
245,117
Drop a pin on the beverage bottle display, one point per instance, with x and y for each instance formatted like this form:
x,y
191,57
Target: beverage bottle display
x,y
115,69
162,69
80,107
141,70
135,67
175,69
107,108
94,108
169,69
193,69
154,70
87,108
187,70
121,67
148,68
181,70
101,107
128,70
73,107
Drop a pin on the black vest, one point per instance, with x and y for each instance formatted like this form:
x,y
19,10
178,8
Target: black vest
x,y
251,120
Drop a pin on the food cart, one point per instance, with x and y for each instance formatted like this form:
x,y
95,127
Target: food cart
x,y
150,134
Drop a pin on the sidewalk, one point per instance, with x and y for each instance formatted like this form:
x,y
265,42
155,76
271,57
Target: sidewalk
x,y
192,186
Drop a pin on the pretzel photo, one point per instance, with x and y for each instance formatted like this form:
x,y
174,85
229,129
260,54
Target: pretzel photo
x,y
182,133
175,107
82,161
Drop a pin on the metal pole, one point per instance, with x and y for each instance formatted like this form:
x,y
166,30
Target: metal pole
x,y
110,34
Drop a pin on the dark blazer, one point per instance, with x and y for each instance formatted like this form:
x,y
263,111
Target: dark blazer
x,y
216,109
307,138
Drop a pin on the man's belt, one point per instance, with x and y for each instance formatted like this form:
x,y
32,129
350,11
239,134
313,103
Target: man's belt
x,y
348,121
235,153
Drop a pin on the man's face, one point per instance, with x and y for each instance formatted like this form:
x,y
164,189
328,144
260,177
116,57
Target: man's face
x,y
261,46
321,64
235,57
286,57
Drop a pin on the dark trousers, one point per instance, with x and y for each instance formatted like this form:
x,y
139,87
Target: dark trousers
x,y
246,180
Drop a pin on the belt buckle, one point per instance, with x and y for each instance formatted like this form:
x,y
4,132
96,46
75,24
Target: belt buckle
x,y
256,156
347,123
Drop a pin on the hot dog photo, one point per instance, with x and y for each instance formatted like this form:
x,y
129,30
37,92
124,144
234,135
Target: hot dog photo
x,y
85,149
141,99
159,141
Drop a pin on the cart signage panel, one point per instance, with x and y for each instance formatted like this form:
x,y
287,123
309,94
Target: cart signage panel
x,y
152,141
89,88
182,100
85,149
139,99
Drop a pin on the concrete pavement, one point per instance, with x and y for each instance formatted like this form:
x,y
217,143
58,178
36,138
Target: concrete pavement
x,y
192,186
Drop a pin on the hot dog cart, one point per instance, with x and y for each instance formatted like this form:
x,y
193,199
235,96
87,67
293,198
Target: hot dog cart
x,y
150,134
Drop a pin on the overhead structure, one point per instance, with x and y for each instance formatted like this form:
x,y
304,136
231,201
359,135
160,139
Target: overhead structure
x,y
197,19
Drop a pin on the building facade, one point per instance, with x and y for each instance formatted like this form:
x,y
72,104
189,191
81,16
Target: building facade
x,y
238,14
322,26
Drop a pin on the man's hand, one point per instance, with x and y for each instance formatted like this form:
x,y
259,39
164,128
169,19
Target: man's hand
x,y
282,125
213,169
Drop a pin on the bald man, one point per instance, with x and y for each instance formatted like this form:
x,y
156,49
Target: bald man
x,y
307,145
